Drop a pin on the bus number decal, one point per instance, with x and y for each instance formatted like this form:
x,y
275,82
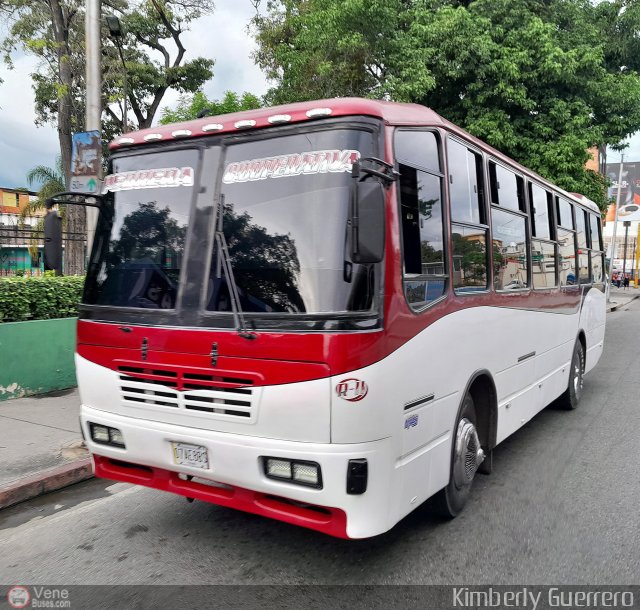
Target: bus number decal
x,y
352,390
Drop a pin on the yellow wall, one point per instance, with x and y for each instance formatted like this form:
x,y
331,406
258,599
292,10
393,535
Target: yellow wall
x,y
9,199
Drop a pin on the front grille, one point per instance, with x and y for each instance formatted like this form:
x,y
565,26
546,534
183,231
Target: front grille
x,y
221,396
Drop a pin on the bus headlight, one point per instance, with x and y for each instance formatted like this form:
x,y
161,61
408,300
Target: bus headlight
x,y
294,471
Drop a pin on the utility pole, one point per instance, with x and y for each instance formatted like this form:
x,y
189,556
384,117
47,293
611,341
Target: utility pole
x,y
615,228
627,224
637,257
634,267
93,102
117,32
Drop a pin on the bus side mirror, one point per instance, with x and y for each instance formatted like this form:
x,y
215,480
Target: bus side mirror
x,y
368,223
53,242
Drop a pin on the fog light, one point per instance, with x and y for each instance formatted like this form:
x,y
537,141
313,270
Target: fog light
x,y
100,434
106,435
280,469
299,472
116,437
305,473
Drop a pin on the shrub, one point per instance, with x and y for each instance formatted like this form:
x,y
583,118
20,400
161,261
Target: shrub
x,y
39,298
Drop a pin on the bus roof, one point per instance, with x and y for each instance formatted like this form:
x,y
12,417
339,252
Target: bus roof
x,y
392,113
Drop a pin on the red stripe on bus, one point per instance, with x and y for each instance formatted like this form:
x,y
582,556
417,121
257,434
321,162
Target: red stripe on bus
x,y
279,358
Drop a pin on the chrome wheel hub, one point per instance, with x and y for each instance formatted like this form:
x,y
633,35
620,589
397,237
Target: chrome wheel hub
x,y
578,378
468,453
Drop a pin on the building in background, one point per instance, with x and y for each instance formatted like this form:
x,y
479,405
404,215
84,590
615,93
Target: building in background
x,y
20,237
598,160
628,217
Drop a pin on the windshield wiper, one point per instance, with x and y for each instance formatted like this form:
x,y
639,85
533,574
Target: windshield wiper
x,y
234,297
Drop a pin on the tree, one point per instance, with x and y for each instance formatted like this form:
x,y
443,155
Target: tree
x,y
152,29
53,31
190,106
541,80
51,181
50,30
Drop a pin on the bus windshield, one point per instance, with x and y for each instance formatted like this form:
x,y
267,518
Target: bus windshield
x,y
283,210
141,242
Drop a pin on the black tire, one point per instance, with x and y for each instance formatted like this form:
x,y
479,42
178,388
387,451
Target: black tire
x,y
450,501
571,397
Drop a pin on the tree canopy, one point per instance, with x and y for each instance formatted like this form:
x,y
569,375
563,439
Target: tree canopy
x,y
151,52
541,80
190,106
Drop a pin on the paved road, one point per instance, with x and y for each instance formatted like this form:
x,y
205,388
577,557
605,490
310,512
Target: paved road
x,y
561,507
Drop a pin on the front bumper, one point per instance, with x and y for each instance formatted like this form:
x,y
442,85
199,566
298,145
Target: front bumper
x,y
235,465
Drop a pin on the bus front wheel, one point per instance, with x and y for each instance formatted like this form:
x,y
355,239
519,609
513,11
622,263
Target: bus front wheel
x,y
571,397
467,455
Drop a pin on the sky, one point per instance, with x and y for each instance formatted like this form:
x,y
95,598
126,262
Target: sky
x,y
222,37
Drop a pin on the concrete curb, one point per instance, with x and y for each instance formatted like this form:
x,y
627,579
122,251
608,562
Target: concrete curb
x,y
45,481
614,307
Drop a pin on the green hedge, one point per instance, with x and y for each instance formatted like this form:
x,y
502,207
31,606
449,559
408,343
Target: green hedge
x,y
39,298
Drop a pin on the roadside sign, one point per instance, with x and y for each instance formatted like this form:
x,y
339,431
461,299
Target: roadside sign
x,y
86,148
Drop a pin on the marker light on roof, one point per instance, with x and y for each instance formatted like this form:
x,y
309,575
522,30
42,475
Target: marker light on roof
x,y
150,137
126,141
180,133
314,112
245,123
213,127
279,118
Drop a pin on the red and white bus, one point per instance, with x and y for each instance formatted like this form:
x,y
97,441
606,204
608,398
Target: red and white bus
x,y
326,313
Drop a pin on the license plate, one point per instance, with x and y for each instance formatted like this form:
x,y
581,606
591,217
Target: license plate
x,y
195,456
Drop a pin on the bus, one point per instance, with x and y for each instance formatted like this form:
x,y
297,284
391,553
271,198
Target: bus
x,y
328,312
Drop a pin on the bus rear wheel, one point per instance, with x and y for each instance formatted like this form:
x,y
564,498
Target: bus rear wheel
x,y
467,455
571,397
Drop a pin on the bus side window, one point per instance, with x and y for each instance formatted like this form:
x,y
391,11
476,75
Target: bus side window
x,y
509,251
468,217
596,234
507,188
596,254
469,251
422,229
584,274
541,212
466,184
544,234
565,214
566,243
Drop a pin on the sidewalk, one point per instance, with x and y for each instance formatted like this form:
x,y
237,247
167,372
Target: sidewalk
x,y
619,297
41,446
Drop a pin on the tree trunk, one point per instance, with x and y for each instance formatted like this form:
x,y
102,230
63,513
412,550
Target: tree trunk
x,y
74,255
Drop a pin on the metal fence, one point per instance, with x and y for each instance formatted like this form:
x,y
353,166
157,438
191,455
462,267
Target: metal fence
x,y
22,249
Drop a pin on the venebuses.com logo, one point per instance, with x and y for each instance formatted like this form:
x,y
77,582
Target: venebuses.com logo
x,y
19,596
